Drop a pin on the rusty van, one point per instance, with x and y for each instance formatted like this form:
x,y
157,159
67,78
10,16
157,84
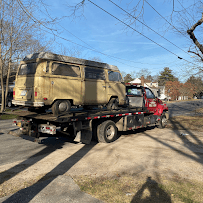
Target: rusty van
x,y
46,80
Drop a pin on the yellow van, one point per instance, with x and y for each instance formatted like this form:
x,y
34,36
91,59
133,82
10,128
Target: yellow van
x,y
47,80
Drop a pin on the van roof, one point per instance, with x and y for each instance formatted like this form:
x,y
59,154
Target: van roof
x,y
57,57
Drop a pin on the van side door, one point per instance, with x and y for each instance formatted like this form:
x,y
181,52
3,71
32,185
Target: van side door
x,y
65,82
94,87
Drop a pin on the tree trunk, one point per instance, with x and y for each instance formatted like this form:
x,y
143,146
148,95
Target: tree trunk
x,y
10,57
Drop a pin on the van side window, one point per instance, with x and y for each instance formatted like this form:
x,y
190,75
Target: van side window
x,y
47,67
27,69
65,69
114,76
94,73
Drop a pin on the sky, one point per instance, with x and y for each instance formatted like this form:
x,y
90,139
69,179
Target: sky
x,y
98,34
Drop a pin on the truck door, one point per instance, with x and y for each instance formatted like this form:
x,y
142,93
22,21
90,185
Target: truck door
x,y
151,101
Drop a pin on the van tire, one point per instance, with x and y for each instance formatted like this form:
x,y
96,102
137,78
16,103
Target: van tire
x,y
113,104
61,107
107,131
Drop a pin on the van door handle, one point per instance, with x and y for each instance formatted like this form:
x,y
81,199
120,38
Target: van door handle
x,y
109,86
104,86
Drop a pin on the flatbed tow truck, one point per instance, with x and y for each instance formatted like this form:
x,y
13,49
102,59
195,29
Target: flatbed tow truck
x,y
100,124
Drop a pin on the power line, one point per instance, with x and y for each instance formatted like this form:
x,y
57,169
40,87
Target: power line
x,y
139,32
164,18
149,27
186,10
92,49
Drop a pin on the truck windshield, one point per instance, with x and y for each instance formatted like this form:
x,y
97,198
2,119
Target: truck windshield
x,y
27,69
134,92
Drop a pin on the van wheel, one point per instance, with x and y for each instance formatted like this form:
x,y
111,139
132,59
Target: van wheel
x,y
61,107
106,131
113,104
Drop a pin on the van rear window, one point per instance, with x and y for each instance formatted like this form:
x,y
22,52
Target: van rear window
x,y
27,69
65,69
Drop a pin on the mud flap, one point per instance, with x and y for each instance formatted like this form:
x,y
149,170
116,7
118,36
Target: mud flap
x,y
83,131
84,136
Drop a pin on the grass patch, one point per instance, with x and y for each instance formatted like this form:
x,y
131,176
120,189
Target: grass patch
x,y
7,116
126,189
186,122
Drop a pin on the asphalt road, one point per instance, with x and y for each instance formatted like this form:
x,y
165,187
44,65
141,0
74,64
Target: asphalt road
x,y
185,107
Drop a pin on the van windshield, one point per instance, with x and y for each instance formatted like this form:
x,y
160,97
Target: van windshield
x,y
27,69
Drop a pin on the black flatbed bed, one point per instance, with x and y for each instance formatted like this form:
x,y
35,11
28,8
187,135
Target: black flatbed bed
x,y
76,115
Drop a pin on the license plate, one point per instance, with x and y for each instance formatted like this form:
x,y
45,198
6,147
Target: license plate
x,y
19,124
23,93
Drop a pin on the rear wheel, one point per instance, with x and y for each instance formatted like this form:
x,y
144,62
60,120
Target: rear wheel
x,y
61,107
107,131
113,104
163,121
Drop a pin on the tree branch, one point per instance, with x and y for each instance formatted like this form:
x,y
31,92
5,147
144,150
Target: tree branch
x,y
192,36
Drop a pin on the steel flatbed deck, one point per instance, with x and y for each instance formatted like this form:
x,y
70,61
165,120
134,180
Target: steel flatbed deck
x,y
80,115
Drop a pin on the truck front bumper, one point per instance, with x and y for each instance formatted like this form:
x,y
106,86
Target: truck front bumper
x,y
27,103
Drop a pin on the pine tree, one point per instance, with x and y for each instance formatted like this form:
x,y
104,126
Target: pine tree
x,y
166,75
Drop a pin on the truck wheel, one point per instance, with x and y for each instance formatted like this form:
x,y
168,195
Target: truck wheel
x,y
61,107
107,131
113,104
163,121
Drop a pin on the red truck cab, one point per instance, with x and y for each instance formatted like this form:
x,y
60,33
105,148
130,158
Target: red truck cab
x,y
139,96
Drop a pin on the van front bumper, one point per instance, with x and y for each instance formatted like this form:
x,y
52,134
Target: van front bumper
x,y
27,103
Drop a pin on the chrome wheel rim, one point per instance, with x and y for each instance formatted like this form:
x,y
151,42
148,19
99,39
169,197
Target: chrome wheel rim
x,y
164,121
62,107
110,132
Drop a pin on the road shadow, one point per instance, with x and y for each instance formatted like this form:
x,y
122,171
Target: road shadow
x,y
27,194
52,144
184,137
156,193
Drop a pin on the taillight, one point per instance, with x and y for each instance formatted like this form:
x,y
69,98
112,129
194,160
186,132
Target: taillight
x,y
35,92
13,94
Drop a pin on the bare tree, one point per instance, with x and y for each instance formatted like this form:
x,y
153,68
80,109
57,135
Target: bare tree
x,y
19,35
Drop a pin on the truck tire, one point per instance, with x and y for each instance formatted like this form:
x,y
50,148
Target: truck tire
x,y
113,104
163,121
107,132
61,107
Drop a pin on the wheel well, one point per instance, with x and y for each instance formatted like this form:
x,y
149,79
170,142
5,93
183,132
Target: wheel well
x,y
70,100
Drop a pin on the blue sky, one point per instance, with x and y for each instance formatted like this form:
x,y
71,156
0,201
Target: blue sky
x,y
101,32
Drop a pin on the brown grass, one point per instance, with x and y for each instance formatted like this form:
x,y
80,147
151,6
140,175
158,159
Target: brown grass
x,y
141,189
186,122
